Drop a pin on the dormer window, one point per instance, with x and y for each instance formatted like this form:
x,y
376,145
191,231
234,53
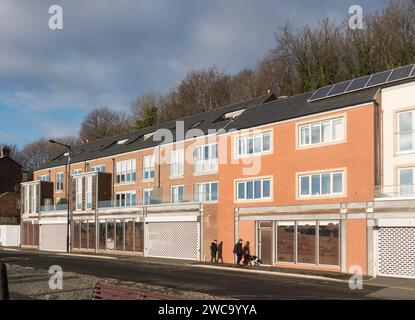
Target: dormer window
x,y
230,115
120,142
148,136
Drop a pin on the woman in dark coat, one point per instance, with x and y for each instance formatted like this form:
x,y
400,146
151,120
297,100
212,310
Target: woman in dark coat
x,y
220,251
213,251
247,253
238,251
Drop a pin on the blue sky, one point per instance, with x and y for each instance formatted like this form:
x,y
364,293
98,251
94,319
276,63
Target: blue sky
x,y
110,51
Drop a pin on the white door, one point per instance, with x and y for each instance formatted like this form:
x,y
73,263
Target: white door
x,y
176,240
396,252
53,237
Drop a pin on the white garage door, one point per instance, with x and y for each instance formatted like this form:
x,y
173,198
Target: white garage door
x,y
177,240
53,237
396,252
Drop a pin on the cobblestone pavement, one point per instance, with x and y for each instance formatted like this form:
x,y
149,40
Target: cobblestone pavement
x,y
26,283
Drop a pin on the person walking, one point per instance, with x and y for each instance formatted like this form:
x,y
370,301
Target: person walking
x,y
247,253
213,251
238,251
220,251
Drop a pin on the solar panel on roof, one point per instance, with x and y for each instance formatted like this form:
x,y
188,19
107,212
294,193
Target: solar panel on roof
x,y
401,73
378,78
321,93
358,83
365,82
340,88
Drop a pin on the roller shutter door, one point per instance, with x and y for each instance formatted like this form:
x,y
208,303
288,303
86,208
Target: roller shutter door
x,y
53,237
396,252
176,240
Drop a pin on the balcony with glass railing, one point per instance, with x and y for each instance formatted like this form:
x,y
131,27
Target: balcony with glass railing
x,y
57,207
395,192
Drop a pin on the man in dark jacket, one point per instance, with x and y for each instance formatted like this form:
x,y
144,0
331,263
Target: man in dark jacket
x,y
238,251
213,251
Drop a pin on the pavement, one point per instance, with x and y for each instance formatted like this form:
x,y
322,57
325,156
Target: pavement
x,y
223,281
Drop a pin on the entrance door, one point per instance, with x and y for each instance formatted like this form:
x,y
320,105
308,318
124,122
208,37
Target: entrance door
x,y
265,242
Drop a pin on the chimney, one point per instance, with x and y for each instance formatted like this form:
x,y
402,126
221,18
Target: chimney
x,y
4,152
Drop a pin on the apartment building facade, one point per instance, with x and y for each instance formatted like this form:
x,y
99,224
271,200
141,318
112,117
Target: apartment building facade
x,y
322,180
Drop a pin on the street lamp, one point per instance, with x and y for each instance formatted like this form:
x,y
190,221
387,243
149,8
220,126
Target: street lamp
x,y
68,246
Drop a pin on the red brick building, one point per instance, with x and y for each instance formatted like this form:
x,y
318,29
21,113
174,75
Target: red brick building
x,y
10,179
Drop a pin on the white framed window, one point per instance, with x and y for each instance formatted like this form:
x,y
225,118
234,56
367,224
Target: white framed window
x,y
27,199
147,196
88,195
177,194
126,199
206,159
176,163
149,167
45,177
321,132
59,181
253,144
78,194
406,131
33,198
406,182
321,184
77,171
99,168
206,192
126,171
258,189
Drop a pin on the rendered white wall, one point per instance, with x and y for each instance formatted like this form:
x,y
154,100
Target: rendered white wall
x,y
394,99
9,236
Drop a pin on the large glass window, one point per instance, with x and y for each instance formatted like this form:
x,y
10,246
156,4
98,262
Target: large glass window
x,y
119,235
253,189
321,184
253,144
147,196
205,192
406,132
76,235
99,168
206,158
329,243
306,242
177,194
149,167
79,193
139,236
176,163
110,240
129,236
125,199
91,235
84,235
102,235
88,192
286,242
407,182
59,181
126,171
320,132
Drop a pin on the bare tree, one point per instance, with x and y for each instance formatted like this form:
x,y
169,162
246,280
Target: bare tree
x,y
15,153
103,122
41,151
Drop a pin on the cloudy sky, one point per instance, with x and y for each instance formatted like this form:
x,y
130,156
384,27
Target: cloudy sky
x,y
112,50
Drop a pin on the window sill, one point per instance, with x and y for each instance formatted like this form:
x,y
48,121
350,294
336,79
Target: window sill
x,y
254,155
176,177
195,174
148,180
404,153
124,183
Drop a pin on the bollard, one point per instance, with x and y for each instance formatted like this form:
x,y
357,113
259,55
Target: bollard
x,y
4,284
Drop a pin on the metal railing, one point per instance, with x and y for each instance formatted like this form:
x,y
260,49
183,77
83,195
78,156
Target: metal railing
x,y
398,191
